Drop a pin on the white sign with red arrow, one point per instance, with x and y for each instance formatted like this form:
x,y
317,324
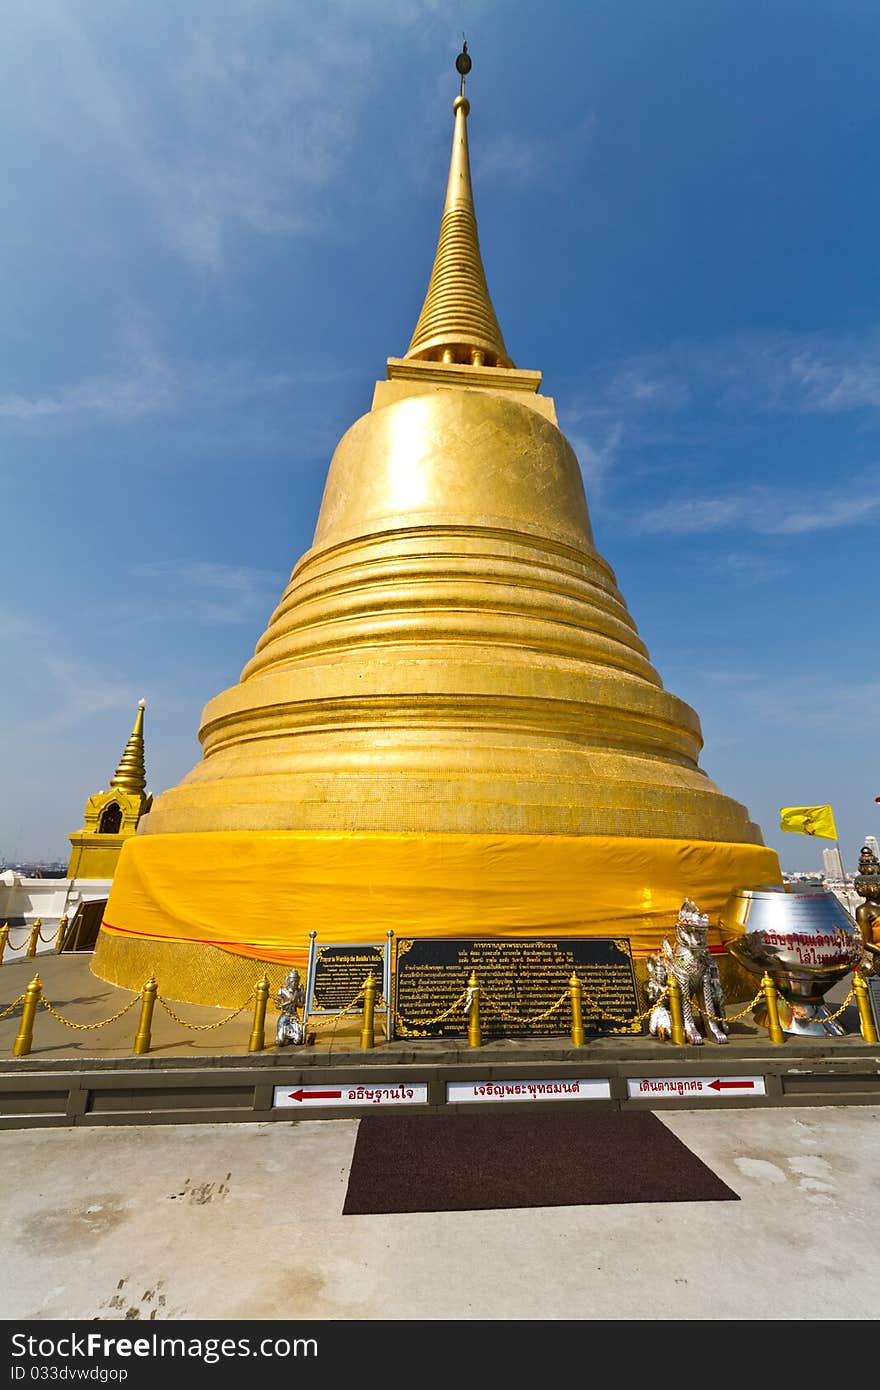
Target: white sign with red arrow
x,y
350,1093
704,1087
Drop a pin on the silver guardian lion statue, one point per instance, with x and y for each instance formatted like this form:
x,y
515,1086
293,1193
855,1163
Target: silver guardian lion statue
x,y
690,960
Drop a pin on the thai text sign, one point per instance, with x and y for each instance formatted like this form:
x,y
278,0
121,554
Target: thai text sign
x,y
705,1087
345,1093
523,986
569,1089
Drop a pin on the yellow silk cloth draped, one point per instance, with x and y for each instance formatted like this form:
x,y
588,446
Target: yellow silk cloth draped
x,y
260,894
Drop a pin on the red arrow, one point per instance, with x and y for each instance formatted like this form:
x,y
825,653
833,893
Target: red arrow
x,y
314,1095
731,1085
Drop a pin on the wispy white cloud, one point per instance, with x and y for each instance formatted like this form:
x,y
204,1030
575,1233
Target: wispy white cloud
x,y
812,702
826,514
522,158
647,386
82,691
748,567
152,383
764,511
597,455
204,591
767,373
233,131
65,691
819,376
692,515
121,398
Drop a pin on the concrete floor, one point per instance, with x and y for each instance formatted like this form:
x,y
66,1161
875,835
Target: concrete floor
x,y
245,1222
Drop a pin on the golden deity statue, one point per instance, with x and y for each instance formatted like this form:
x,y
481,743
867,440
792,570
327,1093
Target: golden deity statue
x,y
450,726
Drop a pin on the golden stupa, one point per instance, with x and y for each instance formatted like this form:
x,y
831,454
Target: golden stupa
x,y
450,726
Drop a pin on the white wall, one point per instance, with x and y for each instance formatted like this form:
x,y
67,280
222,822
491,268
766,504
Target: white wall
x,y
50,899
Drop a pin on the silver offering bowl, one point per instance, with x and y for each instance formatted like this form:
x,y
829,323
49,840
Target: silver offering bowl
x,y
807,941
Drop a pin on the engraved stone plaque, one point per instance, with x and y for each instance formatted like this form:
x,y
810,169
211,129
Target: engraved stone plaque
x,y
520,980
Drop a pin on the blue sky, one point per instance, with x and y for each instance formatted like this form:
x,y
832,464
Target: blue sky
x,y
219,220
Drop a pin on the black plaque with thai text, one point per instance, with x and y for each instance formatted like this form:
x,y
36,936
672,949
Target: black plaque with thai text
x,y
339,975
521,986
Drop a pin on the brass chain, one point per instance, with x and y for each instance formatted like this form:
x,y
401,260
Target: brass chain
x,y
203,1027
23,947
636,1018
13,1006
734,1018
831,1017
88,1027
47,939
517,1018
627,1022
439,1019
332,1022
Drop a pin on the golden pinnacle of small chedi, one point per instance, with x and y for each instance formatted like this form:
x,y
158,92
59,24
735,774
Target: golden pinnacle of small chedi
x,y
450,726
112,816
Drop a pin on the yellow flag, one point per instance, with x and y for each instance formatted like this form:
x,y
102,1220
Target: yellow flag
x,y
809,820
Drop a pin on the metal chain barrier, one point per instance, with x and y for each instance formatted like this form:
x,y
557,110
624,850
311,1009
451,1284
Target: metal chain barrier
x,y
409,1033
636,1018
201,1027
47,939
88,1027
831,1017
23,947
462,1000
734,1018
332,1022
517,1018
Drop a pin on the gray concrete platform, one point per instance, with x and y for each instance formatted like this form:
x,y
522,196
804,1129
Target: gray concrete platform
x,y
105,1216
245,1222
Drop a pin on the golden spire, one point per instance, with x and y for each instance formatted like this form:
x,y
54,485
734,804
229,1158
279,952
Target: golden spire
x,y
457,322
131,774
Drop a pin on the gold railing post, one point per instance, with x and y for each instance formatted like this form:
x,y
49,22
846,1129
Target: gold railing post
x,y
145,1023
22,1045
771,1001
676,1012
4,937
59,940
257,1040
34,938
475,1036
576,995
368,1038
868,1028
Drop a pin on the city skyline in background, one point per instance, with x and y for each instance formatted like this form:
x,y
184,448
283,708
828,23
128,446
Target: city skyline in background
x,y
220,223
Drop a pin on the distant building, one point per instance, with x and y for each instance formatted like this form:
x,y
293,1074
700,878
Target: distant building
x,y
833,863
871,842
